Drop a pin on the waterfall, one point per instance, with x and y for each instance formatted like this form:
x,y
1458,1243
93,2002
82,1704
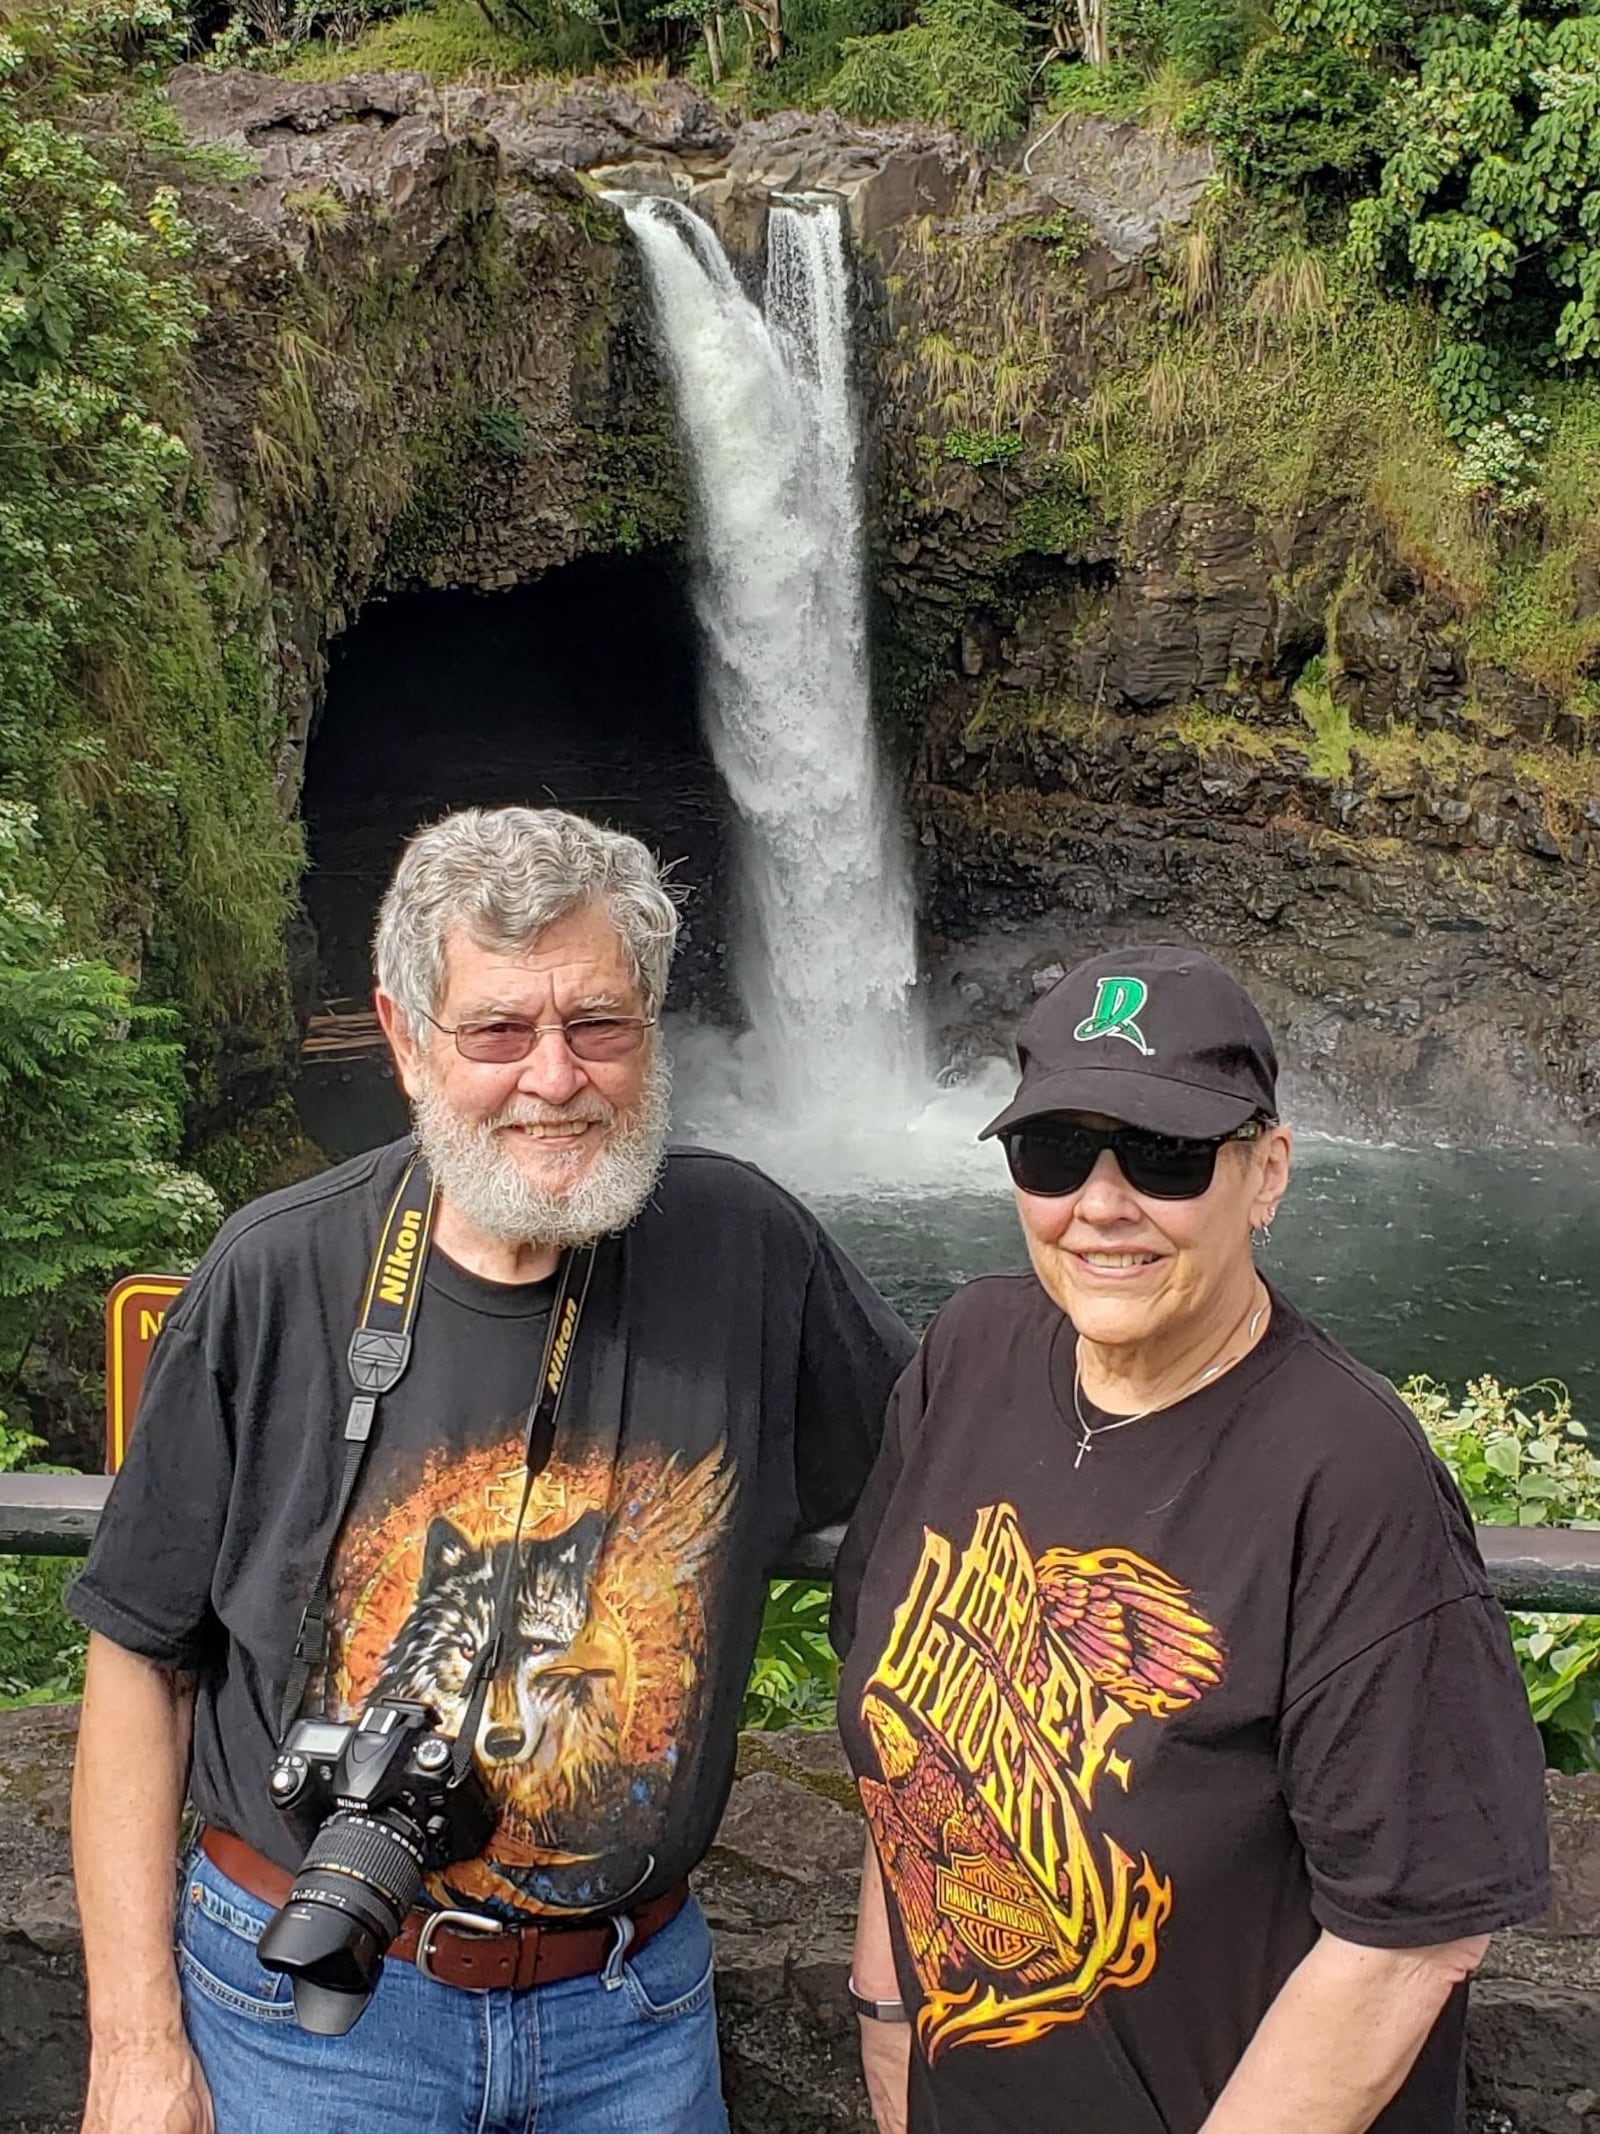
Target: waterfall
x,y
826,942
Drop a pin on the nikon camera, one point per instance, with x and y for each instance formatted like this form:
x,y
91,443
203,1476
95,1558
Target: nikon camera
x,y
389,1807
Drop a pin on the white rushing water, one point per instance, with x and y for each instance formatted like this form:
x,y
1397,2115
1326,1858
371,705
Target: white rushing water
x,y
826,945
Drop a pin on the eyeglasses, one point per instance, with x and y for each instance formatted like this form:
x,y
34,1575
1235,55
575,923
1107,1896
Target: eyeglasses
x,y
507,1038
1052,1156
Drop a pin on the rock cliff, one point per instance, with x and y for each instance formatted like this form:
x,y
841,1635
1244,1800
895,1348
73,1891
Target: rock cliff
x,y
1194,633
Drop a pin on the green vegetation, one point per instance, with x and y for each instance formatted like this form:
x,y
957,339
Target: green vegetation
x,y
981,448
128,720
1332,742
146,869
90,1090
448,40
795,1676
1521,1459
962,64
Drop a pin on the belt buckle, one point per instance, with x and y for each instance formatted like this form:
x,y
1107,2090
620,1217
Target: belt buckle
x,y
467,1922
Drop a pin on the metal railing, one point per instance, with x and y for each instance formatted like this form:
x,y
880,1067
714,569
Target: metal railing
x,y
1555,1568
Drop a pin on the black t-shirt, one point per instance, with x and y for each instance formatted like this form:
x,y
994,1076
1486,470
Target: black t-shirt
x,y
726,1391
1128,1732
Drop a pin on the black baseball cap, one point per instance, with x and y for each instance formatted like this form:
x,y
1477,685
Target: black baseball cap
x,y
1158,1037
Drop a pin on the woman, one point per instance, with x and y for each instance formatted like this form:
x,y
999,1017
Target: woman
x,y
1195,1760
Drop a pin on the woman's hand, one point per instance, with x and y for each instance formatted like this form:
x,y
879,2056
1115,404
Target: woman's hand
x,y
885,2047
886,2063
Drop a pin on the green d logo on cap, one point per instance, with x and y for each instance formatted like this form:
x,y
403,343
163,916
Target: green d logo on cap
x,y
1116,1008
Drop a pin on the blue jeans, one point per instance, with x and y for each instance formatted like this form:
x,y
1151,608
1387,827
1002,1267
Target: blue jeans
x,y
635,2055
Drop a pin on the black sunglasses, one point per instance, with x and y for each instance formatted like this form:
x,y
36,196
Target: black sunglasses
x,y
1053,1156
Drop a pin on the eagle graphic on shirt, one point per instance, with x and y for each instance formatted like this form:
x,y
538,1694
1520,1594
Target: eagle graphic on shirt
x,y
995,1711
602,1671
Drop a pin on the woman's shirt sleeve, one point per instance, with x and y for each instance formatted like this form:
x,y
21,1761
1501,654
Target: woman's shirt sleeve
x,y
1408,1759
1415,1781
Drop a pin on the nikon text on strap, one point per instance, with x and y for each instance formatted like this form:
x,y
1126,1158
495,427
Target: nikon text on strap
x,y
380,1349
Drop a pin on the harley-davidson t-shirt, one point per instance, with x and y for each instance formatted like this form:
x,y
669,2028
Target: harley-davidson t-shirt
x,y
726,1390
1131,1728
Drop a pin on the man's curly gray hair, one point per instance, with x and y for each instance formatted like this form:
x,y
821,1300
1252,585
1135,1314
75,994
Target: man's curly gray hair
x,y
501,875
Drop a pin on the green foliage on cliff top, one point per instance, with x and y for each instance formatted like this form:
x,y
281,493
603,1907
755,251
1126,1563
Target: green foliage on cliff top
x,y
962,64
447,39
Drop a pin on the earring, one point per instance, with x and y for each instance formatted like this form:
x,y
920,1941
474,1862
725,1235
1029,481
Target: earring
x,y
1262,1235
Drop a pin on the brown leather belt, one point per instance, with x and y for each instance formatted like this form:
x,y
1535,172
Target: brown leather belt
x,y
445,1946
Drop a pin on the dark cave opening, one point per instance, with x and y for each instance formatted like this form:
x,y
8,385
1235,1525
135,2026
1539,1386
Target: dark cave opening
x,y
577,691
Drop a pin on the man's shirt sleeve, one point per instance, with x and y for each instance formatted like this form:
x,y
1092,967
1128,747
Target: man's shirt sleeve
x,y
853,1346
906,1405
147,1583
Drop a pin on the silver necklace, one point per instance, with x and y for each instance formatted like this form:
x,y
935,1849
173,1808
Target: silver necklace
x,y
1088,1432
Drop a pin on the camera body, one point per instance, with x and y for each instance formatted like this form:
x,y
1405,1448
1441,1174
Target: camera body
x,y
387,1804
390,1759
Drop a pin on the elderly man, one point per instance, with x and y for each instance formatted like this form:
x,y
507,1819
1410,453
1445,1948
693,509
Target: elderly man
x,y
441,1551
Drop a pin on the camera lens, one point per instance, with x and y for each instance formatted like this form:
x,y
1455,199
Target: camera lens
x,y
360,1877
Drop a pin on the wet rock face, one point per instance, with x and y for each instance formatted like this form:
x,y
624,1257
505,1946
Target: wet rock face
x,y
1138,752
779,1888
1129,184
1426,964
362,135
42,2004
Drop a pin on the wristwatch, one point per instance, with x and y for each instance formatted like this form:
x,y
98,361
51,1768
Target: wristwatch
x,y
875,2011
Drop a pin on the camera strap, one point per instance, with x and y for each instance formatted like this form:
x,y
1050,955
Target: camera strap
x,y
572,1293
380,1350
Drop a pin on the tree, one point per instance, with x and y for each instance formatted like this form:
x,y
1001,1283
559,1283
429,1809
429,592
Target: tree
x,y
91,1087
1491,198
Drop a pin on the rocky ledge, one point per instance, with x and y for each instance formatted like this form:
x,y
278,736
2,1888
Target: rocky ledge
x,y
779,1889
367,135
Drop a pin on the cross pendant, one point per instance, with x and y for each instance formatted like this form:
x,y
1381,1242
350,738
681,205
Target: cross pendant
x,y
1083,1446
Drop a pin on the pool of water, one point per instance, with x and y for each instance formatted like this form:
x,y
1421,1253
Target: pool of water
x,y
1452,1262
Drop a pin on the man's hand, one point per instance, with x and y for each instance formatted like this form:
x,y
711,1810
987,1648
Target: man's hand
x,y
886,2063
153,2087
143,2076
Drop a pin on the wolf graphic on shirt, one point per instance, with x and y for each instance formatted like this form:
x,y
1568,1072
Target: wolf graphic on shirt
x,y
550,1706
995,1711
603,1668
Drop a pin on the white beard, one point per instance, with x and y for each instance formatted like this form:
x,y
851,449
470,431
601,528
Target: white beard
x,y
483,1182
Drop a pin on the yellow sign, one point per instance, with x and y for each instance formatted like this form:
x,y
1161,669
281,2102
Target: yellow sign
x,y
134,1312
